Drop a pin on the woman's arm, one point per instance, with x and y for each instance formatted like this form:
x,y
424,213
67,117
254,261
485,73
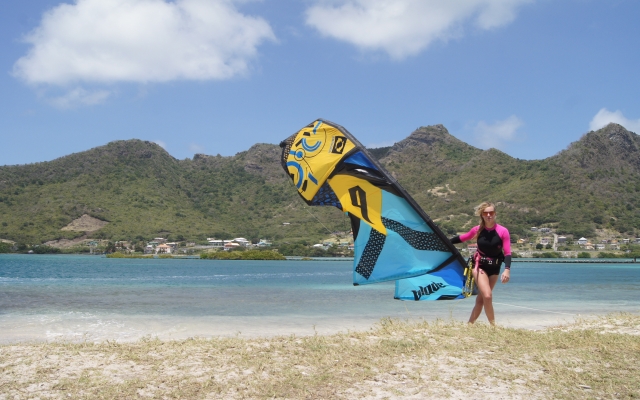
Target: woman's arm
x,y
466,236
506,245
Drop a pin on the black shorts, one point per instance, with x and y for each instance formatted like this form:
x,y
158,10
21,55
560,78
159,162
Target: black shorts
x,y
490,269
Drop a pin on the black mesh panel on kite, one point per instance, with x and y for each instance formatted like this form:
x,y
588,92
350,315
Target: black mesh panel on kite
x,y
326,197
418,240
371,252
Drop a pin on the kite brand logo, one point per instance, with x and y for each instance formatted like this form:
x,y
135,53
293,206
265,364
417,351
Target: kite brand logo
x,y
359,199
339,142
427,290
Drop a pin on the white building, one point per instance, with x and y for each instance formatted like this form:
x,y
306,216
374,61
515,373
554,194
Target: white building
x,y
242,241
164,249
217,243
231,245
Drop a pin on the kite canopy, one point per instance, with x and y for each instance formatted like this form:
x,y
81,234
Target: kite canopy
x,y
394,239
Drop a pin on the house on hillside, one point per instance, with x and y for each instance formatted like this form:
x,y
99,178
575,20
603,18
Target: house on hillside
x,y
164,249
242,242
217,243
582,241
123,246
231,245
562,239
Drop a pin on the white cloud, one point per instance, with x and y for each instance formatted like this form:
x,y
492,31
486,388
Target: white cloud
x,y
196,148
403,28
108,41
499,133
80,97
604,117
160,143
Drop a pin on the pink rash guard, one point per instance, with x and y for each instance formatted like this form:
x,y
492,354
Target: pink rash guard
x,y
492,242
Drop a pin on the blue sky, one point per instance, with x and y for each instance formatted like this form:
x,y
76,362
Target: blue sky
x,y
216,76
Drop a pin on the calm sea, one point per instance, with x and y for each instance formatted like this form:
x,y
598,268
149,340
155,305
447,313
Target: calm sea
x,y
95,298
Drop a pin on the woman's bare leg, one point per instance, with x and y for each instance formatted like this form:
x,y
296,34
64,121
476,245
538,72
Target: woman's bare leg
x,y
484,298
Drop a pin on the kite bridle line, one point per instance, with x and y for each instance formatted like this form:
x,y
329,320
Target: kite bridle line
x,y
316,218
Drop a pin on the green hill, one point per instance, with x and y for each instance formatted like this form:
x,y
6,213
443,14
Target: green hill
x,y
142,192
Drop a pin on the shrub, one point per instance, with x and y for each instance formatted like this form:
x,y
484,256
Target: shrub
x,y
5,247
245,255
607,255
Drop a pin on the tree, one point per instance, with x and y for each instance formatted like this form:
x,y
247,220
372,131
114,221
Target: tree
x,y
539,246
5,247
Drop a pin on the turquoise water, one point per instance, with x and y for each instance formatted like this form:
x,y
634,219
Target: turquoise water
x,y
95,298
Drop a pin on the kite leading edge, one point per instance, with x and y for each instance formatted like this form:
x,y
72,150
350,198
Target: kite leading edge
x,y
394,239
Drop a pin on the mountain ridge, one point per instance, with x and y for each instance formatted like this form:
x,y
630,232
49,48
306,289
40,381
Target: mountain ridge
x,y
144,192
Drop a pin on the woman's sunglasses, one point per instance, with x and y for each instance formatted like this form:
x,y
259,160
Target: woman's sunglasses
x,y
488,213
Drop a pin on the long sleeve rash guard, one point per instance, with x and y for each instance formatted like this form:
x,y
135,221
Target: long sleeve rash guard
x,y
492,242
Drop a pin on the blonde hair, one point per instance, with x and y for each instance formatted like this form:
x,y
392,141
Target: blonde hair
x,y
478,211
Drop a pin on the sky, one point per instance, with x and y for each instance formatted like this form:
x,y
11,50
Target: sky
x,y
527,77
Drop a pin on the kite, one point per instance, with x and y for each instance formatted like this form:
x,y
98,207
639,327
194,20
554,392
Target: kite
x,y
394,239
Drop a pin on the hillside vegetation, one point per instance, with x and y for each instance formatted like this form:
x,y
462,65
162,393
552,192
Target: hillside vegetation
x,y
142,192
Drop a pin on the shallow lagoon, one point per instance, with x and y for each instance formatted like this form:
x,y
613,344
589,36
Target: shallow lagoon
x,y
95,298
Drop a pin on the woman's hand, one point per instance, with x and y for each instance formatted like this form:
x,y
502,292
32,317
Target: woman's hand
x,y
506,275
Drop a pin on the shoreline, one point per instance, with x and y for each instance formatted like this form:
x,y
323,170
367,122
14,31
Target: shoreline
x,y
304,258
596,357
576,261
86,328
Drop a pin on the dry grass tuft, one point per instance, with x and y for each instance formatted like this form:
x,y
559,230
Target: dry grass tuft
x,y
395,359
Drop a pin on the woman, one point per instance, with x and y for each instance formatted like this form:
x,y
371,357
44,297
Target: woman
x,y
494,247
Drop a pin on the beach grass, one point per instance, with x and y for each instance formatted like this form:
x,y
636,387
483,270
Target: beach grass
x,y
592,358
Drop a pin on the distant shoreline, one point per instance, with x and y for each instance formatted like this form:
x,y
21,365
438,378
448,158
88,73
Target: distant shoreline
x,y
304,258
576,261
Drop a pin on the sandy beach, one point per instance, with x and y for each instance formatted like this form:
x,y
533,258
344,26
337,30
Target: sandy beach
x,y
86,327
597,357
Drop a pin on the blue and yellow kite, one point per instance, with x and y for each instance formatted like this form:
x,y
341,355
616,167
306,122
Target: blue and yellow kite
x,y
394,238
